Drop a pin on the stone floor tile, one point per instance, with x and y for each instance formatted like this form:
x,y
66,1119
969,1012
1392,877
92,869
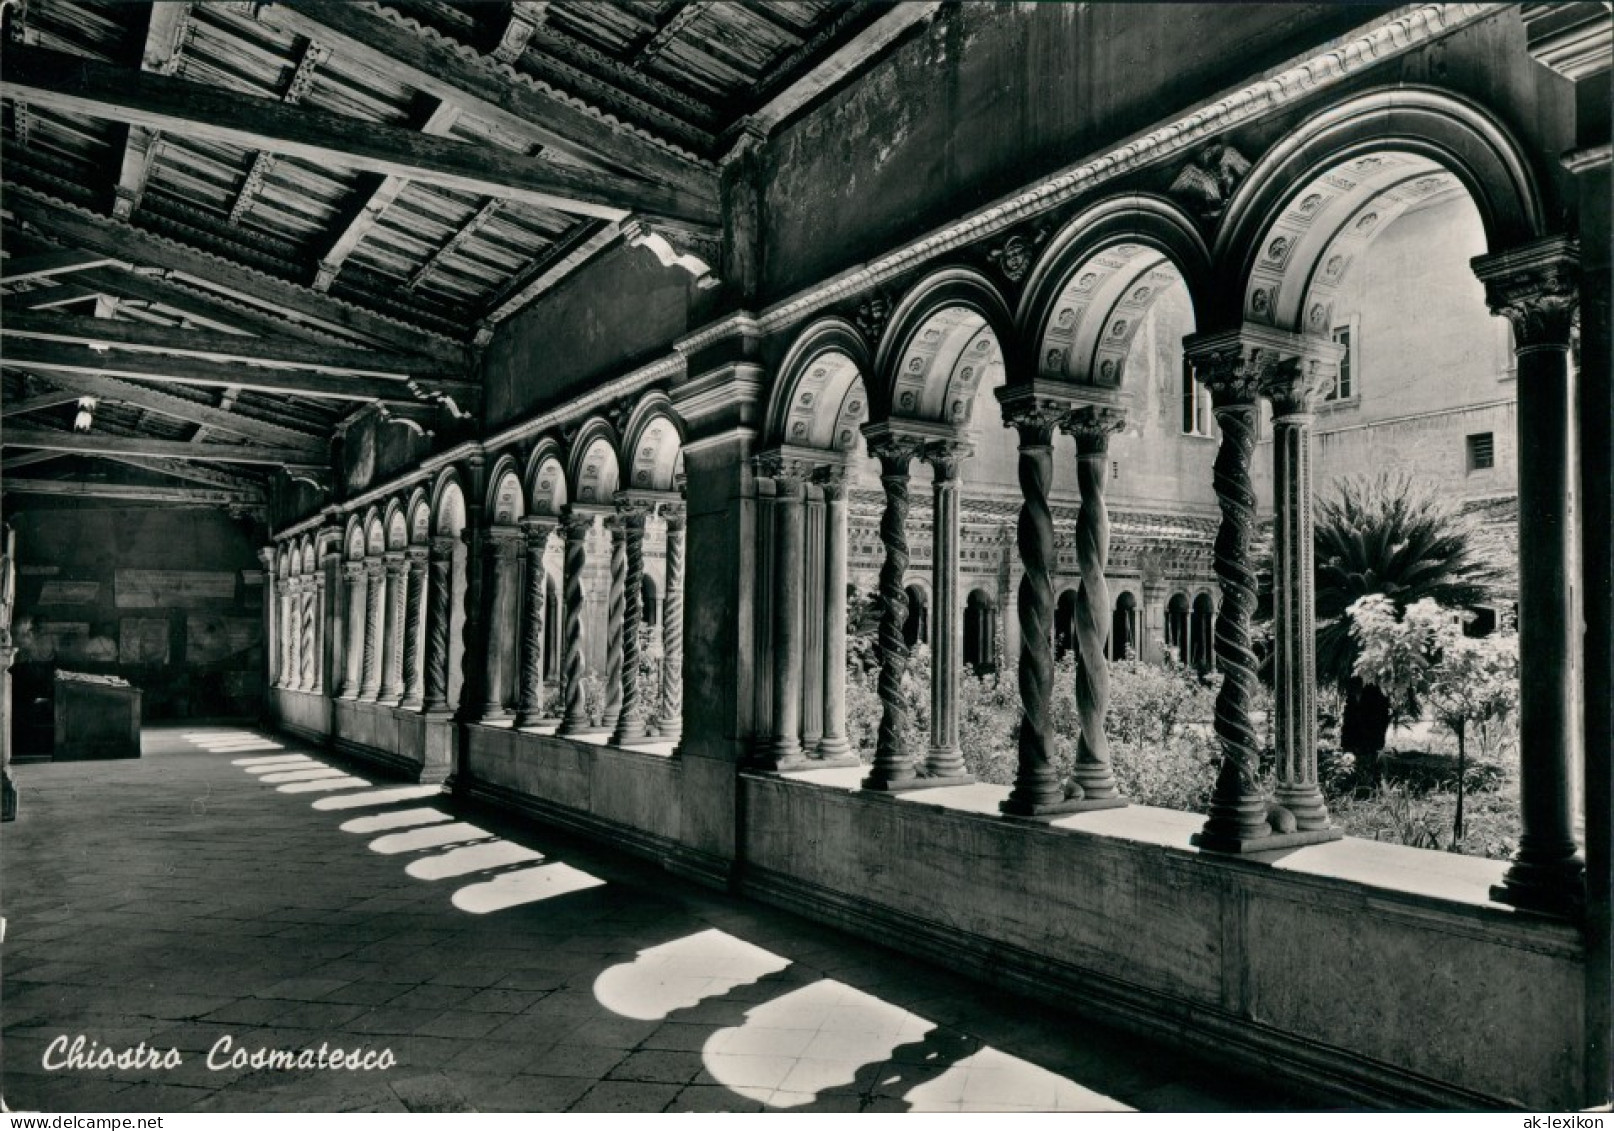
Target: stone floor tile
x,y
623,1096
658,1066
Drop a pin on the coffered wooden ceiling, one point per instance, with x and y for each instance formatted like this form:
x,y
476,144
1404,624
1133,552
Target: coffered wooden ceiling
x,y
273,213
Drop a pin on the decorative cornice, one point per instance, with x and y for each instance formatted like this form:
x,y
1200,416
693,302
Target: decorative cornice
x,y
1573,40
742,323
1381,40
628,385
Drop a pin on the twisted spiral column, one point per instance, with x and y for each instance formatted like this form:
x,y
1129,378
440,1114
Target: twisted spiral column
x,y
414,622
353,579
616,609
440,586
530,708
370,679
893,765
1092,776
1037,788
396,567
1237,814
670,724
307,655
576,527
630,520
318,684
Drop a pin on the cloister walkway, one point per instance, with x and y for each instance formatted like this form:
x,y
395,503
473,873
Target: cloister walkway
x,y
234,885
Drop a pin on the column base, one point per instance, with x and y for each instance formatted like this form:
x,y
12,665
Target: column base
x,y
1052,810
8,798
347,696
440,714
494,718
1272,842
1556,889
904,785
411,705
628,730
527,719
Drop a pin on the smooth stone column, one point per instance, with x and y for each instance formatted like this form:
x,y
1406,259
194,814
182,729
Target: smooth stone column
x,y
1536,289
1037,791
834,748
945,759
630,521
789,583
414,625
391,692
502,542
530,707
1237,819
576,527
670,723
893,767
762,608
439,616
1092,778
374,594
812,621
354,581
271,617
281,640
1292,388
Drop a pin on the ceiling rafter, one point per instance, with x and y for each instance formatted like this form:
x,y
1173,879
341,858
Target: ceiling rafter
x,y
302,78
27,459
155,400
26,268
427,61
92,443
183,496
347,240
182,469
79,85
222,347
526,17
662,37
141,287
50,357
275,296
489,209
37,402
167,27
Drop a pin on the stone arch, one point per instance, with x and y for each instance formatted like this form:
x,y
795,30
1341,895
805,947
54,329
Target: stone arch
x,y
594,475
1202,631
353,539
506,502
653,444
1099,279
980,629
283,558
916,629
448,504
375,533
948,338
546,479
419,511
1178,612
306,557
821,399
1300,219
397,526
1065,621
1125,626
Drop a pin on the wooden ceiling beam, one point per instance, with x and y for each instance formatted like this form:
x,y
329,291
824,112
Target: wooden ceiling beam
x,y
54,357
73,226
302,77
363,33
166,25
21,268
47,298
155,400
122,492
94,444
136,287
226,348
35,403
28,459
526,17
660,39
74,84
438,123
193,472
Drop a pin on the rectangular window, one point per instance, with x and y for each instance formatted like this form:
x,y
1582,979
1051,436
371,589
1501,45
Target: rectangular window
x,y
1345,388
1481,452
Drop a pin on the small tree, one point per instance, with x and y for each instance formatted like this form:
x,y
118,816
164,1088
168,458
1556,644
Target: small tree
x,y
1423,657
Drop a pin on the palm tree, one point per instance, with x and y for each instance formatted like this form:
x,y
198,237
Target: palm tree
x,y
1393,535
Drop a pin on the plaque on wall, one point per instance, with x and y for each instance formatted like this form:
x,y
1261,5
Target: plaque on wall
x,y
209,639
173,588
143,640
69,592
39,570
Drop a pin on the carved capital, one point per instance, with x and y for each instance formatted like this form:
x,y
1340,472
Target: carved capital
x,y
1092,426
1536,288
789,471
832,479
576,524
415,557
1035,409
504,541
1292,384
375,568
944,456
1234,364
538,528
442,546
352,571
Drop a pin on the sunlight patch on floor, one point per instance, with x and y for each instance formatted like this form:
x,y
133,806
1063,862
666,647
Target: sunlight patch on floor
x,y
272,761
325,786
432,836
304,773
399,819
472,858
378,797
529,885
681,973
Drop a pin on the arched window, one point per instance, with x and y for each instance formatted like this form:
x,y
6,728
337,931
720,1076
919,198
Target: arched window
x,y
980,631
649,602
1065,623
1201,632
916,629
1124,628
1177,627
